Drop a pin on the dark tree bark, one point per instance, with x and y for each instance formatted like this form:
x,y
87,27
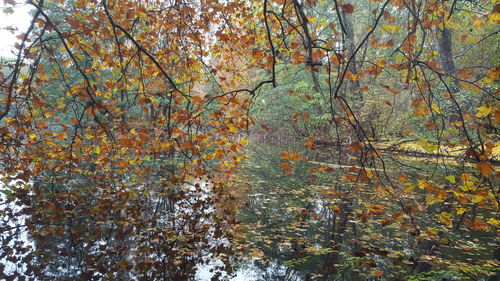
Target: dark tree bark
x,y
445,53
308,44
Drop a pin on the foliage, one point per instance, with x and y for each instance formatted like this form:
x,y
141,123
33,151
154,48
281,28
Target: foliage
x,y
121,137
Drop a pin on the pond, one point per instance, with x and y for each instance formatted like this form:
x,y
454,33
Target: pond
x,y
317,214
310,215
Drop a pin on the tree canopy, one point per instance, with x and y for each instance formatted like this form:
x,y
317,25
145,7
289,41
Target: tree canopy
x,y
124,126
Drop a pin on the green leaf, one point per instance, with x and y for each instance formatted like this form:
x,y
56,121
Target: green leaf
x,y
8,10
451,179
7,192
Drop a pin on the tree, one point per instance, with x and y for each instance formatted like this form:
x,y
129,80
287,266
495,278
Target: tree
x,y
112,128
124,120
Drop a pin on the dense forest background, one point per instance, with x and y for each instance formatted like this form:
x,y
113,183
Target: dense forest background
x,y
259,140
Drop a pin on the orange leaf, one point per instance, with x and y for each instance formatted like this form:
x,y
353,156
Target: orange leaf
x,y
485,168
385,222
477,224
294,156
355,147
392,90
441,194
286,168
335,208
42,124
402,179
306,116
310,142
314,215
376,209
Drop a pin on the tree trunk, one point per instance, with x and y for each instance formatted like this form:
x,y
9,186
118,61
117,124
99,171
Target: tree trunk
x,y
445,53
445,57
308,45
353,87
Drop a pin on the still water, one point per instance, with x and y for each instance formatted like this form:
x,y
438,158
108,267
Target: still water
x,y
318,221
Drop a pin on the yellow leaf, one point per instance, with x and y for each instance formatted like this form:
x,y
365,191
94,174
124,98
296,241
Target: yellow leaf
x,y
431,199
494,222
391,28
445,218
432,230
461,211
451,179
483,111
477,198
436,108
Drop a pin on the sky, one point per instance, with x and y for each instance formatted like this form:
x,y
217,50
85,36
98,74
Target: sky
x,y
20,19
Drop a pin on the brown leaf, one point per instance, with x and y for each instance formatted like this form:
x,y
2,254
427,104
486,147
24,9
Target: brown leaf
x,y
355,147
348,8
286,168
485,168
306,116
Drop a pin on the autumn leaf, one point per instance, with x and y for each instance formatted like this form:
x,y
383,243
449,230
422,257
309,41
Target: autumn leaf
x,y
305,116
335,208
292,156
377,273
390,89
286,168
477,224
445,218
485,168
355,147
423,184
310,142
494,222
391,28
436,108
385,222
402,179
348,8
483,111
42,124
450,178
376,209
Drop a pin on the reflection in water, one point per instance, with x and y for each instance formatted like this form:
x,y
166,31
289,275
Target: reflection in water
x,y
323,218
312,224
